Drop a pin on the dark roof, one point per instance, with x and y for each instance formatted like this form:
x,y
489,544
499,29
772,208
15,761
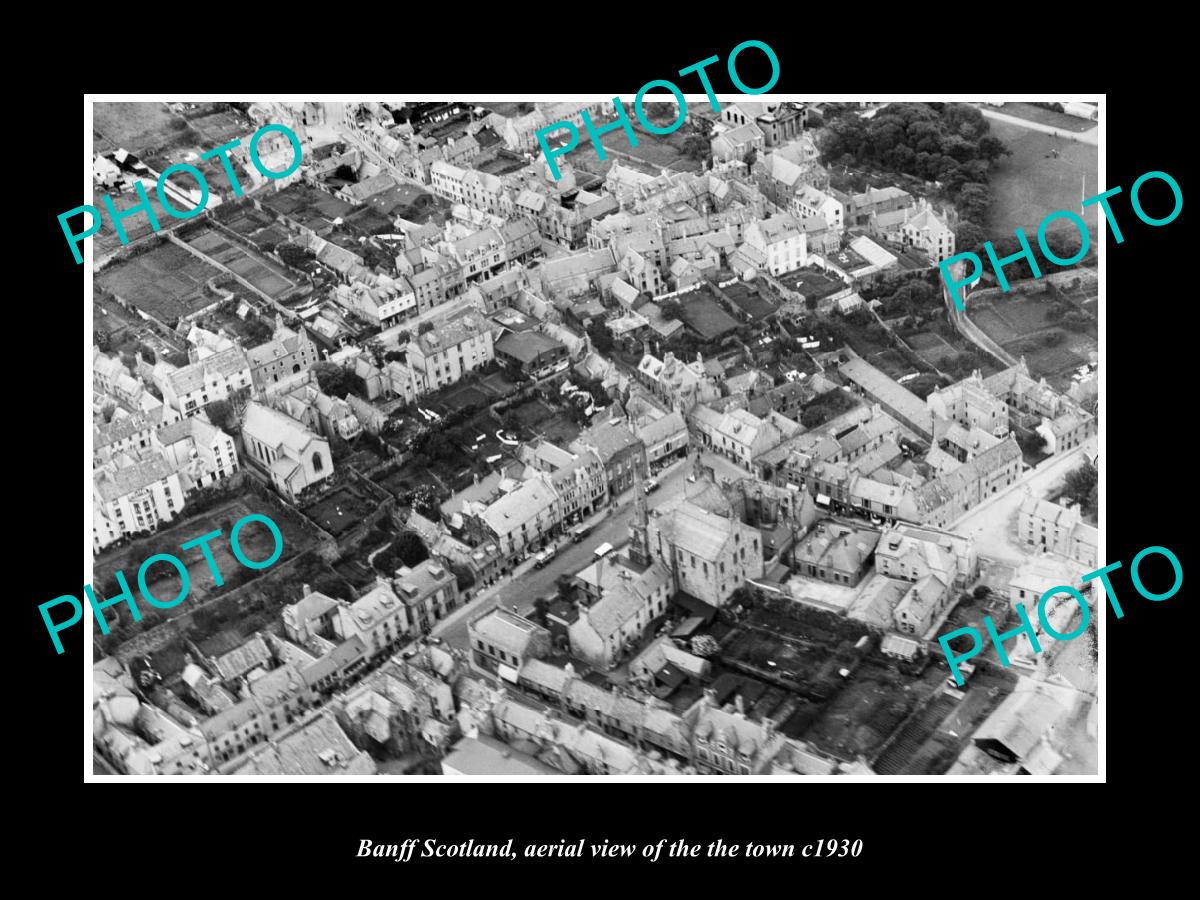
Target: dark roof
x,y
526,346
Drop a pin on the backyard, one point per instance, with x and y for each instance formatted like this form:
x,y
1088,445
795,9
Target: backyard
x,y
267,277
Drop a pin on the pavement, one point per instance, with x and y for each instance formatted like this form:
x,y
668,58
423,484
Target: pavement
x,y
993,523
527,583
1092,136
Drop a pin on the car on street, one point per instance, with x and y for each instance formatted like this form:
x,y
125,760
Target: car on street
x,y
650,485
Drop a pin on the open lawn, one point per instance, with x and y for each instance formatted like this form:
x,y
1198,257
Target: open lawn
x,y
1031,184
165,282
139,127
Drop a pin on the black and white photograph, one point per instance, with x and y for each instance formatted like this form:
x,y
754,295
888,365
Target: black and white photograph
x,y
696,434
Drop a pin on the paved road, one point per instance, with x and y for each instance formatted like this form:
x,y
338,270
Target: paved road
x,y
529,583
1092,136
993,522
965,326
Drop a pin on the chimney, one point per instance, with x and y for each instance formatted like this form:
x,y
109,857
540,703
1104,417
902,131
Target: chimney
x,y
768,726
740,705
710,697
305,590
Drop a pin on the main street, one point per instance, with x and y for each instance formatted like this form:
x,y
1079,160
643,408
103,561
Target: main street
x,y
527,583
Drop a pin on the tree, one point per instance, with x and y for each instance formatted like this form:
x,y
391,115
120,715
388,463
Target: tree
x,y
424,327
671,309
750,157
1080,484
220,413
394,356
968,236
992,148
695,146
411,549
974,200
814,120
1053,338
602,338
704,645
294,256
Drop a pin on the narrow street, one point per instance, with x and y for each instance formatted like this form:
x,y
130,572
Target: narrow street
x,y
528,583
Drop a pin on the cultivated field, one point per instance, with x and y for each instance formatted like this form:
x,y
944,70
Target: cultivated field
x,y
931,347
254,539
1017,321
267,278
1031,184
165,282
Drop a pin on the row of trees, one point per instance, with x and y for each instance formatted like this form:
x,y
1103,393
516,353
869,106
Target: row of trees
x,y
946,142
949,143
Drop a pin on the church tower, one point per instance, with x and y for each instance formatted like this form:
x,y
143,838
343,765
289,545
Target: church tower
x,y
639,526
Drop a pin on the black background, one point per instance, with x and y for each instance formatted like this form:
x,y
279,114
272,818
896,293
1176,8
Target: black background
x,y
953,838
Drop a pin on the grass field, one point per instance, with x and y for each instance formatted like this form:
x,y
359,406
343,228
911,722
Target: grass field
x,y
165,282
1029,185
140,127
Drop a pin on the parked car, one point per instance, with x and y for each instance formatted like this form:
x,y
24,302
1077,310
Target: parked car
x,y
650,485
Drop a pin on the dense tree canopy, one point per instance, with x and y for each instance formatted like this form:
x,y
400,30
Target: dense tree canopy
x,y
946,142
